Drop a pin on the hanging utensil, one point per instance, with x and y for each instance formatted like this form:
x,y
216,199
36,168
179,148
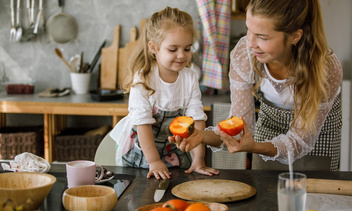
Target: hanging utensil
x,y
59,54
61,27
13,28
28,33
40,14
18,25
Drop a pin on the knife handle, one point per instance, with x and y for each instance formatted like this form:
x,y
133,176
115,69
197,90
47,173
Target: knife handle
x,y
341,187
164,184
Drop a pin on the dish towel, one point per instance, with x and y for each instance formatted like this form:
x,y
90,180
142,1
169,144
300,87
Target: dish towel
x,y
27,162
215,16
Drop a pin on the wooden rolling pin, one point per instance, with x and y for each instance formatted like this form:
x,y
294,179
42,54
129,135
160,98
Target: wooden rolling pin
x,y
341,187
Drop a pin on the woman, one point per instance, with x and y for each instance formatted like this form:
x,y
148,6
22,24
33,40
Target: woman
x,y
283,61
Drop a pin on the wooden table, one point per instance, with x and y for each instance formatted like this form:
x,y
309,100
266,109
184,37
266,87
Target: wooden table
x,y
141,191
56,109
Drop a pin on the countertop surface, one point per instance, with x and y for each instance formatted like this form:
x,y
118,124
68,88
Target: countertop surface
x,y
141,190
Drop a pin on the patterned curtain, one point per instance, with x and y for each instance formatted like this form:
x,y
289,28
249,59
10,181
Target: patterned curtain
x,y
215,16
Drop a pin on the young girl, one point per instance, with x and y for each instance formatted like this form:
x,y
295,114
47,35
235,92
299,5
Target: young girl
x,y
284,61
161,88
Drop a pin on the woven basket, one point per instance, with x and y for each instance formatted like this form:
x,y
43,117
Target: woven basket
x,y
72,144
16,140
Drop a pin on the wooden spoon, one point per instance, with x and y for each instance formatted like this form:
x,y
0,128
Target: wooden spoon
x,y
59,54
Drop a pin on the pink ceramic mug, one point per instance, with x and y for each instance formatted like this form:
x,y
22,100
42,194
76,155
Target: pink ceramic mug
x,y
82,172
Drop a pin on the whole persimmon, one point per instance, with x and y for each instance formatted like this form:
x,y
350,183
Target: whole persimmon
x,y
162,209
197,207
176,204
231,126
182,126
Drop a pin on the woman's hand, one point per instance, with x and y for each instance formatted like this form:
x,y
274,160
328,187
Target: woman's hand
x,y
189,143
159,170
198,165
246,143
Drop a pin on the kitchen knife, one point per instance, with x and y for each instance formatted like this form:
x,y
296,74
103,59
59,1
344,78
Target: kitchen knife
x,y
341,187
160,190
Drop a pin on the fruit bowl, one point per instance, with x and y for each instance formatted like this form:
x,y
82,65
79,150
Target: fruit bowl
x,y
213,206
25,189
89,197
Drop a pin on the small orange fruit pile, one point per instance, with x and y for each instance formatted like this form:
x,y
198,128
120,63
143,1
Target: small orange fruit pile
x,y
181,205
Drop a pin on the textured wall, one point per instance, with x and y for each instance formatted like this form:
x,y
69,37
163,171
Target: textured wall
x,y
96,21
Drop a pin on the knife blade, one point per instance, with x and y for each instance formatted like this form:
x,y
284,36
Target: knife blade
x,y
160,190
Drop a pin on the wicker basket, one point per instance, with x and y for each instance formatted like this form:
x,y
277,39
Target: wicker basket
x,y
72,144
16,140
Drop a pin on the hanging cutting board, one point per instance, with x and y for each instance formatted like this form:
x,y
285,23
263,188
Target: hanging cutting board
x,y
109,63
213,190
125,53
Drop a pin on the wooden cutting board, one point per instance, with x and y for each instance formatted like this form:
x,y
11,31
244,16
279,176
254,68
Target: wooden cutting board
x,y
213,190
125,53
109,63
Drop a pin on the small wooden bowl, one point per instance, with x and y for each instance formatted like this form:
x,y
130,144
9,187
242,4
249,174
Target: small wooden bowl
x,y
212,205
89,197
27,189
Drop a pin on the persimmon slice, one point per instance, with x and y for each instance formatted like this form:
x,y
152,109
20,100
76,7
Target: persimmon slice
x,y
232,126
182,126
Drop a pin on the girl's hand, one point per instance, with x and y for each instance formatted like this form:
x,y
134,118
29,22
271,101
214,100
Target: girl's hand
x,y
187,144
159,170
198,165
246,143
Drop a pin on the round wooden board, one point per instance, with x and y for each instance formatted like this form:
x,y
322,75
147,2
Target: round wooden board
x,y
212,206
213,190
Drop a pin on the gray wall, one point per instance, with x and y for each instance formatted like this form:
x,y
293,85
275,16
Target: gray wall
x,y
97,19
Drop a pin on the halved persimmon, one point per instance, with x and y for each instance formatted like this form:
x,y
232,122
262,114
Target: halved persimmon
x,y
176,204
197,207
232,126
182,126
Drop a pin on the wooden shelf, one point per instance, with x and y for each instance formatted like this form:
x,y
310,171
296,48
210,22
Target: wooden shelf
x,y
238,16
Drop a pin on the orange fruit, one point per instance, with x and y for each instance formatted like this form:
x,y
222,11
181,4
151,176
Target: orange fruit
x,y
176,204
197,207
182,126
161,209
232,126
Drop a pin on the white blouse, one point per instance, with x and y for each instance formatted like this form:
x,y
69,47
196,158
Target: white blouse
x,y
241,76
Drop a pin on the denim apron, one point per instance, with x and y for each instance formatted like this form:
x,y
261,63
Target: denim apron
x,y
169,153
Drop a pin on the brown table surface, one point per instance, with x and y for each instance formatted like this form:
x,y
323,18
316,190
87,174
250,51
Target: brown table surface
x,y
141,191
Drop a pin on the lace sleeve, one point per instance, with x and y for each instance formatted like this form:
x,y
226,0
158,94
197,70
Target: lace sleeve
x,y
241,82
301,142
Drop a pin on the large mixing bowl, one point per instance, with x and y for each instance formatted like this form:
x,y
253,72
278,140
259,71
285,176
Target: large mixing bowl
x,y
25,189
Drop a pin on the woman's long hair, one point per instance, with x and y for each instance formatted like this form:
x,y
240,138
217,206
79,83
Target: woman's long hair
x,y
155,28
309,55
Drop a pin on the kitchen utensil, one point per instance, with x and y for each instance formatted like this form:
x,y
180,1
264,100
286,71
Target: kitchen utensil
x,y
341,187
75,63
39,15
109,63
160,190
59,54
28,34
212,206
18,25
13,28
96,57
213,190
81,63
61,27
17,187
89,197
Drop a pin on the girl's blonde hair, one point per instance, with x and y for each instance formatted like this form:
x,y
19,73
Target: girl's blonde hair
x,y
309,55
154,30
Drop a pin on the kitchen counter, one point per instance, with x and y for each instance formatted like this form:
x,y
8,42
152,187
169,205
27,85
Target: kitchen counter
x,y
141,191
55,110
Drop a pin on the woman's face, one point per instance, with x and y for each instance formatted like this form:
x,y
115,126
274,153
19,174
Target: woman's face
x,y
174,52
267,44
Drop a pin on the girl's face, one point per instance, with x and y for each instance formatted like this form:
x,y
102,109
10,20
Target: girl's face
x,y
174,52
268,45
